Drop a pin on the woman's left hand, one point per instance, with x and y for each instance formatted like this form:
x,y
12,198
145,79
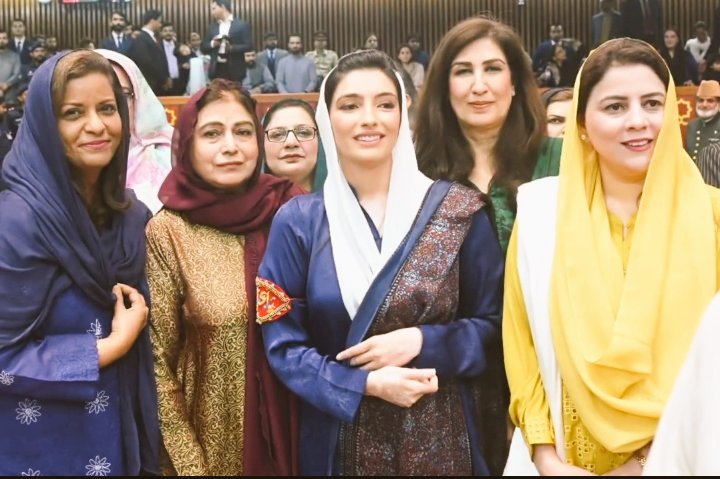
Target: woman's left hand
x,y
396,348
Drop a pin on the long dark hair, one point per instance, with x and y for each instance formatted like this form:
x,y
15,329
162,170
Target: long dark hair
x,y
110,197
442,149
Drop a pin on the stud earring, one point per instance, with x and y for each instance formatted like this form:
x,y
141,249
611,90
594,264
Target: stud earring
x,y
583,137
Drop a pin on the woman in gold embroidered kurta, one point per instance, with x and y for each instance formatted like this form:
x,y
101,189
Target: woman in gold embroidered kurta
x,y
199,320
203,252
635,265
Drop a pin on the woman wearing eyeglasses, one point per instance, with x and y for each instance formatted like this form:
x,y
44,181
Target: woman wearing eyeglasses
x,y
150,132
292,146
222,412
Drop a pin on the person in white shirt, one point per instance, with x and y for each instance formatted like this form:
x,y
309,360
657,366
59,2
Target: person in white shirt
x,y
226,41
699,45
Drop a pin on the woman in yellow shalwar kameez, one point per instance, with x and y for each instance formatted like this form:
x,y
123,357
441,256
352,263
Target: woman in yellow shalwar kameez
x,y
609,268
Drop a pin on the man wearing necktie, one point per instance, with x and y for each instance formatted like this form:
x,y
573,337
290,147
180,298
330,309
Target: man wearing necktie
x,y
271,54
643,19
149,56
271,61
226,41
117,40
19,43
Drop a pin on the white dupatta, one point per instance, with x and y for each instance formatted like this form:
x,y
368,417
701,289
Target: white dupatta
x,y
536,224
356,257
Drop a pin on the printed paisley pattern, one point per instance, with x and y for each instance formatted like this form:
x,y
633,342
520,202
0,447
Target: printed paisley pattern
x,y
199,332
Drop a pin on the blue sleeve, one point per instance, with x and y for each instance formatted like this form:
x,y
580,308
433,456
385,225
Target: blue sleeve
x,y
54,367
318,379
460,348
63,366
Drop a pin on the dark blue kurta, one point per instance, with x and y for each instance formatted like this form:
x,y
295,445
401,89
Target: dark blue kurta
x,y
59,414
302,345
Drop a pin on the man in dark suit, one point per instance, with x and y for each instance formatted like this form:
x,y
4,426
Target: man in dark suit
x,y
149,55
606,24
226,42
271,54
117,41
20,43
544,52
643,19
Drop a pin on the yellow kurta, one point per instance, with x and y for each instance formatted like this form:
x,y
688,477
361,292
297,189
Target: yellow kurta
x,y
529,409
199,334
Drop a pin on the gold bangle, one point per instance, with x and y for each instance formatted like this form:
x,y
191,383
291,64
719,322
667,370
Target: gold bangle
x,y
640,458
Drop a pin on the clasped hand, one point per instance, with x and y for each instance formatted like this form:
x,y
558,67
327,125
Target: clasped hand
x,y
396,348
384,356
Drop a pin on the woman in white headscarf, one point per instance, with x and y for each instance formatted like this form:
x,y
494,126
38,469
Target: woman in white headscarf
x,y
150,133
380,296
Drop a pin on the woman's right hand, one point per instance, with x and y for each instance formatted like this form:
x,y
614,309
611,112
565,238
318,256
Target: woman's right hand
x,y
401,386
548,463
127,323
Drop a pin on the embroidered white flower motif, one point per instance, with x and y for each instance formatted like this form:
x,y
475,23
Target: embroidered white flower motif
x,y
30,472
6,379
98,405
28,411
98,467
95,329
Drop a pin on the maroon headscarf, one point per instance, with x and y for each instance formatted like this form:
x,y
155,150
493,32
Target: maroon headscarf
x,y
271,426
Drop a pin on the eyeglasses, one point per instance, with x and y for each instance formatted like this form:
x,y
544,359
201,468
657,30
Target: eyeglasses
x,y
280,134
128,93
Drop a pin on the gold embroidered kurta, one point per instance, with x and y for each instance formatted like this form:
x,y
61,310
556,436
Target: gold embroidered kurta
x,y
199,334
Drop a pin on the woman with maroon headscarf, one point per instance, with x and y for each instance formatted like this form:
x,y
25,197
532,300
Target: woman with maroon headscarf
x,y
222,412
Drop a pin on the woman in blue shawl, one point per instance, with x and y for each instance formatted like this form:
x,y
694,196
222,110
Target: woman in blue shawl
x,y
380,297
77,392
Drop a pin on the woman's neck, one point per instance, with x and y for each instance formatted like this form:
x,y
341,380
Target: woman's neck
x,y
622,195
482,144
86,182
371,184
305,183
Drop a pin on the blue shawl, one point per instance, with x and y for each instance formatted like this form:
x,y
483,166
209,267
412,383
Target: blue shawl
x,y
48,243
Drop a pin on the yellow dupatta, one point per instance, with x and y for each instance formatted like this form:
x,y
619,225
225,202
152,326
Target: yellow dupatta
x,y
620,341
